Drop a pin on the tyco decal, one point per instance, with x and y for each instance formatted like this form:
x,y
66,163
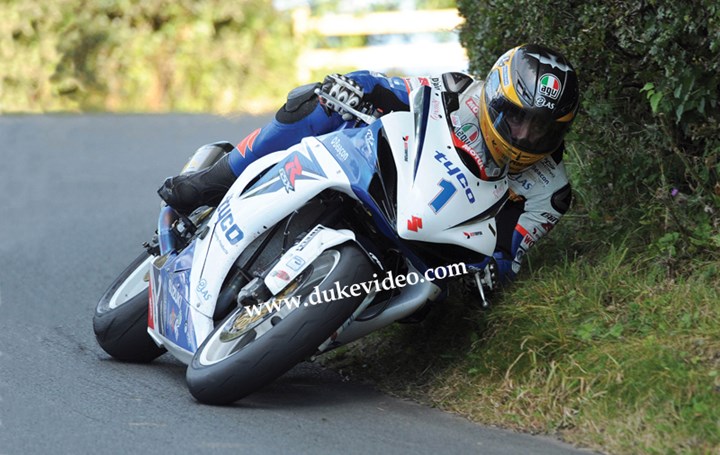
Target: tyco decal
x,y
453,170
233,234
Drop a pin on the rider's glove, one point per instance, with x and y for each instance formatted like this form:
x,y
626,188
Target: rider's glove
x,y
345,90
499,270
490,274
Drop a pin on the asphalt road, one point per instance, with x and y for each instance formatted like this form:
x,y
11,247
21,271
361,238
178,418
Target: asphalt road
x,y
77,199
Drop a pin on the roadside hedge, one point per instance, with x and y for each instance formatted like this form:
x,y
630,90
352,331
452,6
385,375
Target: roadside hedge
x,y
644,150
142,55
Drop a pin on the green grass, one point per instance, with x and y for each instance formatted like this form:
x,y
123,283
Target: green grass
x,y
607,351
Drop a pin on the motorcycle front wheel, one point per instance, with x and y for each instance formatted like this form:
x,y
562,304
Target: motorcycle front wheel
x,y
250,349
121,315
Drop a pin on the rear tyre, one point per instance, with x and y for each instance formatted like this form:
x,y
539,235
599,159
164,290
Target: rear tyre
x,y
246,352
121,316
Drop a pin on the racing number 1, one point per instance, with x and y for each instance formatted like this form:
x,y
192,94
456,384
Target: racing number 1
x,y
447,190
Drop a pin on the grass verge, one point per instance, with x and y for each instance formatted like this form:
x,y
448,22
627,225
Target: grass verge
x,y
606,352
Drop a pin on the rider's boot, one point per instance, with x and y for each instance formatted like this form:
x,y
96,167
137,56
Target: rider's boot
x,y
186,192
299,117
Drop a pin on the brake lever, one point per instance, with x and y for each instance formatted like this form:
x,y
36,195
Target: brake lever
x,y
367,118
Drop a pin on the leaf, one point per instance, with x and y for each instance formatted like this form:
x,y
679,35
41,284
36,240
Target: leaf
x,y
655,100
679,111
586,331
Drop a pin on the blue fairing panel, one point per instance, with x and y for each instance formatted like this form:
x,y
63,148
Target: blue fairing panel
x,y
355,150
175,319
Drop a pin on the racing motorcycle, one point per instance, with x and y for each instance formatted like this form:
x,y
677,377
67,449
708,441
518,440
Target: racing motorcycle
x,y
228,290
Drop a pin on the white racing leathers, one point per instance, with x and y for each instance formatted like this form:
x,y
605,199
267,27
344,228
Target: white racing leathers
x,y
539,195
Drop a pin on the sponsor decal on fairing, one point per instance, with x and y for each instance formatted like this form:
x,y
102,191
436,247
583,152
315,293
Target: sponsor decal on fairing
x,y
414,223
233,234
437,84
290,170
447,191
202,291
338,148
453,170
295,263
289,173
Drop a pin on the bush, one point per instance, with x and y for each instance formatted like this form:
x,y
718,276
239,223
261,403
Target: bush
x,y
150,55
644,150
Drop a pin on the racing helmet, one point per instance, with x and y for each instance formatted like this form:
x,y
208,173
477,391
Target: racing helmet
x,y
528,103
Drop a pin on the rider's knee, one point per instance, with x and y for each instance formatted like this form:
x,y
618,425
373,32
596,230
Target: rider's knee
x,y
301,102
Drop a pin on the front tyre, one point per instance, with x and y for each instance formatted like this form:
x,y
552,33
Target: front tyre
x,y
246,352
121,315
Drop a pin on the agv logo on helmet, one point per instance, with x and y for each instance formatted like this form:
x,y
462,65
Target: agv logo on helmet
x,y
550,86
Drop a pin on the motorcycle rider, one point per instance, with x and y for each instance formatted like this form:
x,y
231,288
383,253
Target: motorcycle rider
x,y
514,121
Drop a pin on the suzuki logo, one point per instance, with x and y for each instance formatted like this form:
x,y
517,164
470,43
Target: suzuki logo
x,y
414,224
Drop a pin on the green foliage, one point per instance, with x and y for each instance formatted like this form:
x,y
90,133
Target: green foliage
x,y
435,4
646,139
333,6
143,55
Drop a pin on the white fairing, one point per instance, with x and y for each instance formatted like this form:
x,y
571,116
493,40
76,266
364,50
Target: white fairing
x,y
440,170
251,214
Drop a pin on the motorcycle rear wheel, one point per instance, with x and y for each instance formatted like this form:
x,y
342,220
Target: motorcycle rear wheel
x,y
121,316
245,353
